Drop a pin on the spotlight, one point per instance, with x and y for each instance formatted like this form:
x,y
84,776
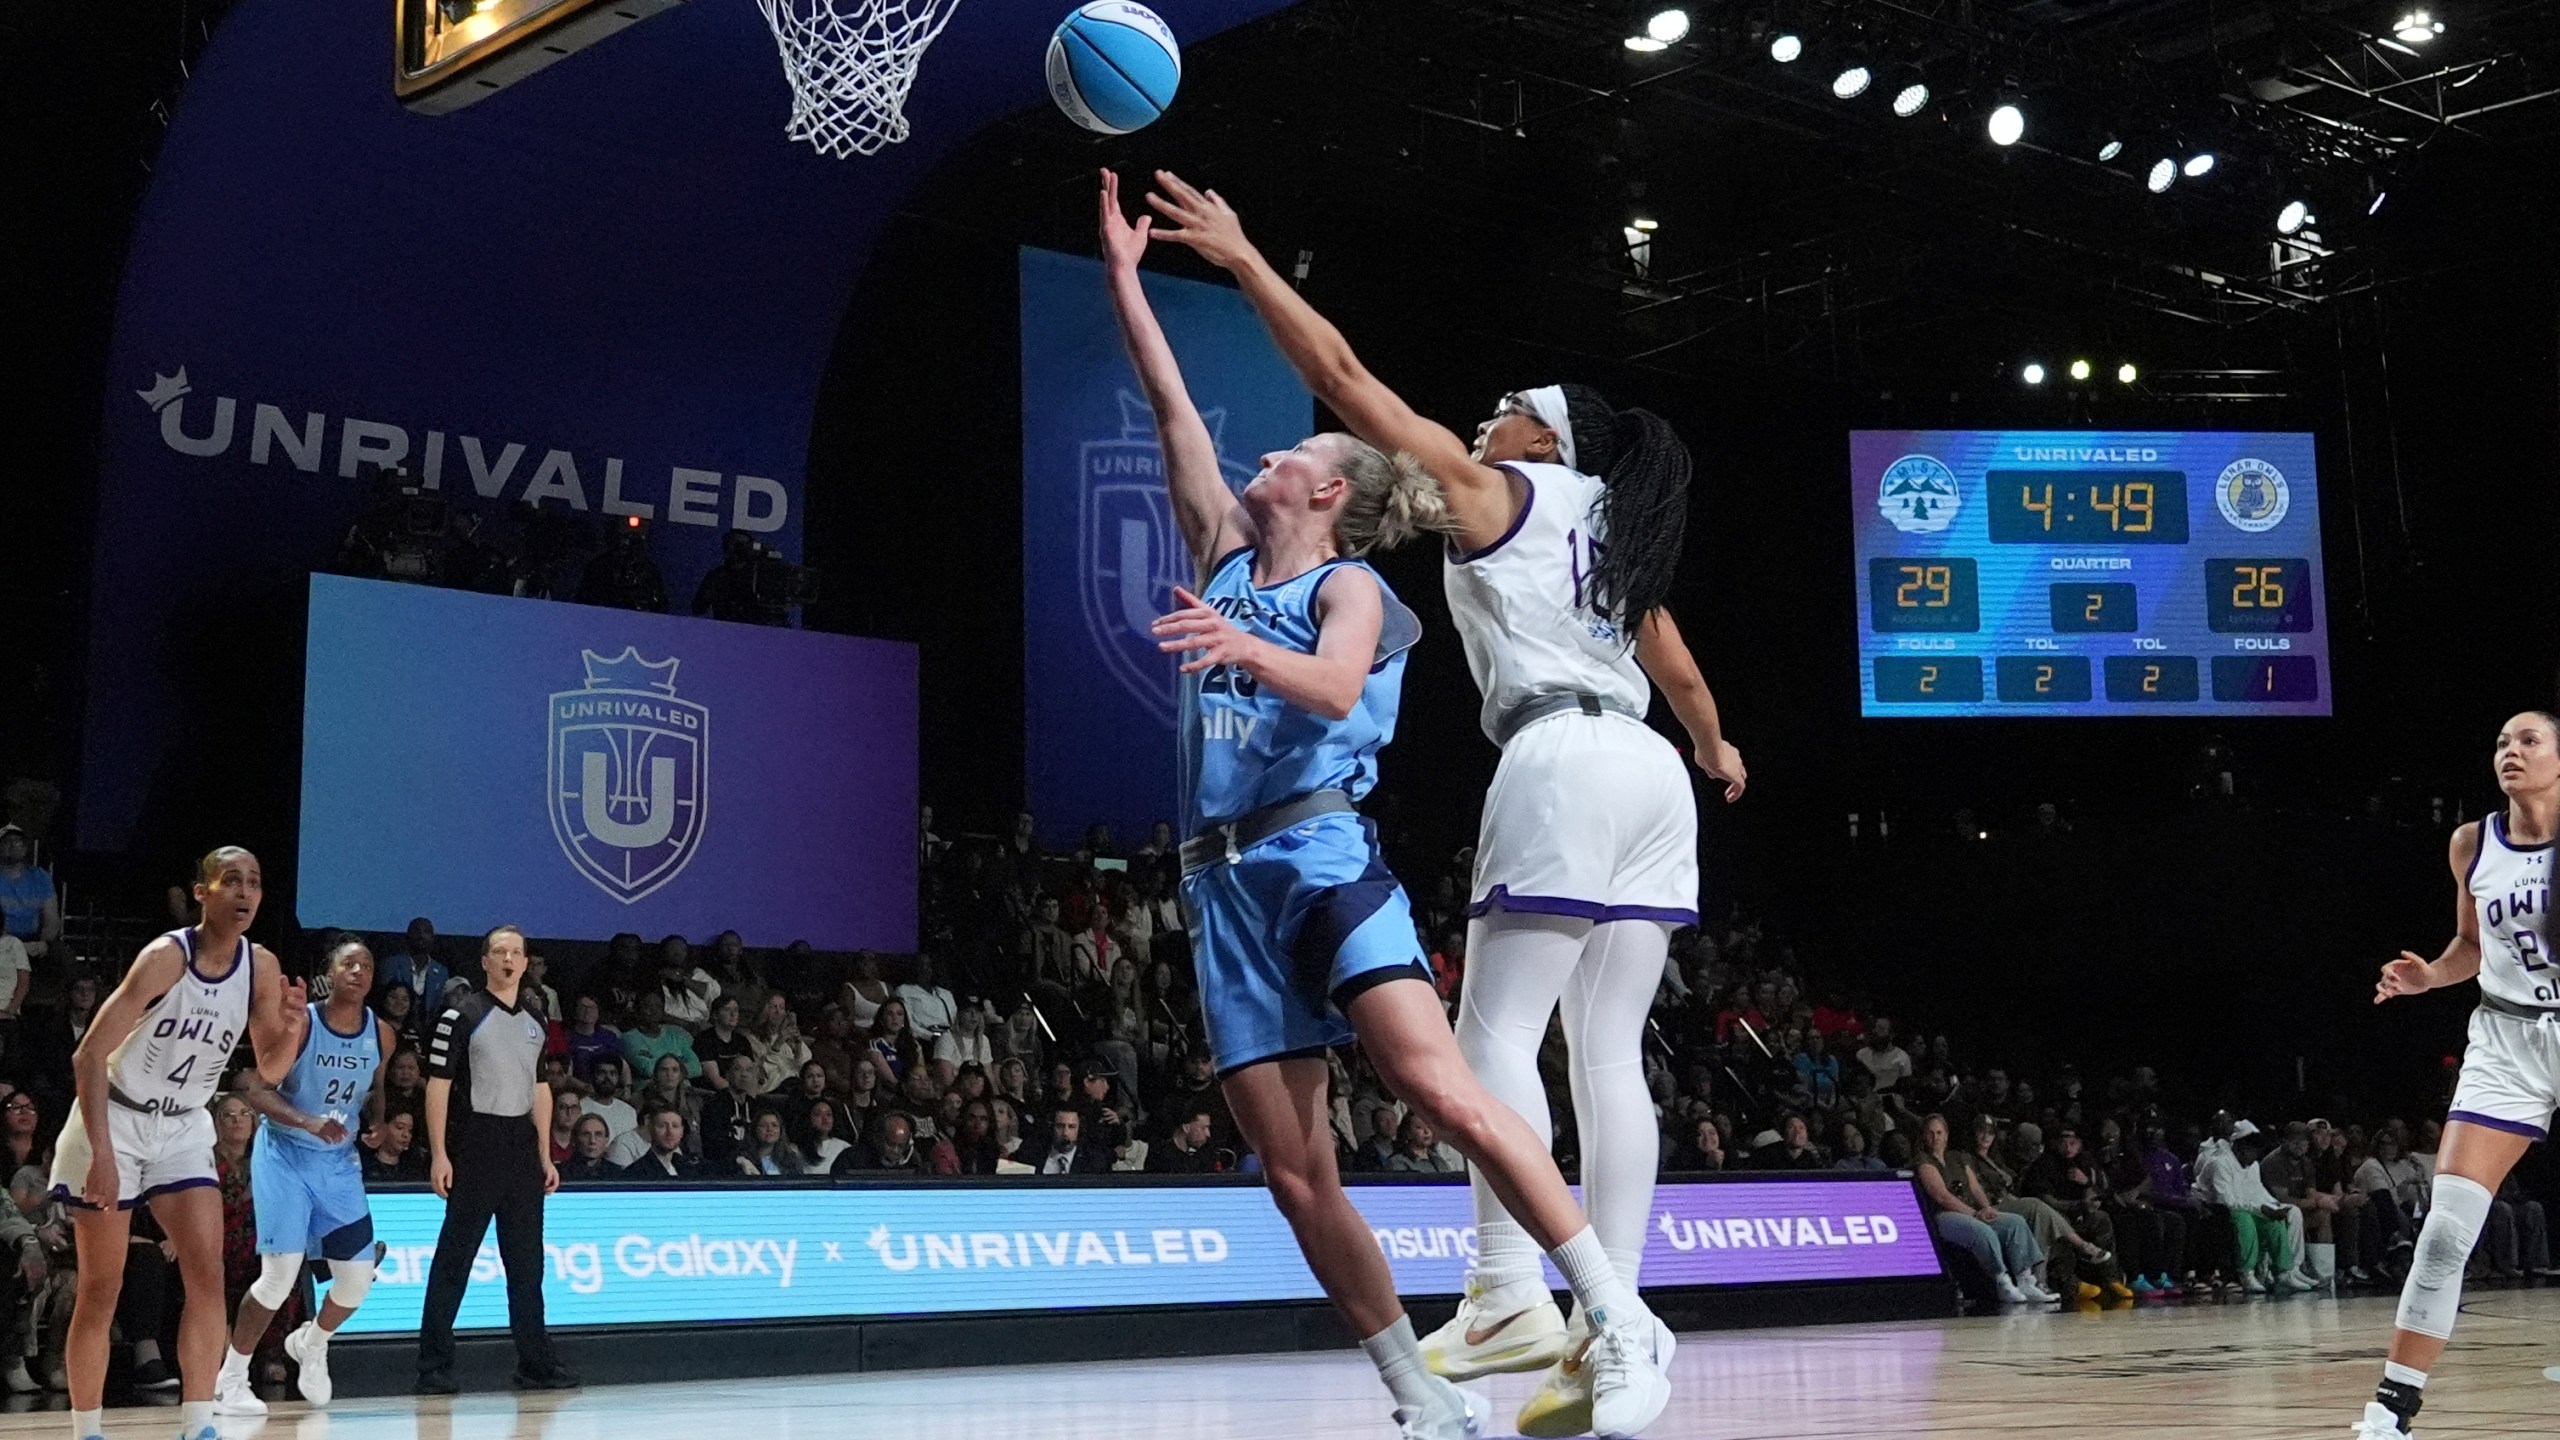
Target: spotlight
x,y
2033,374
2126,374
1851,83
2199,164
1668,26
2416,28
2164,173
2113,148
2292,217
1785,49
2008,123
2079,369
1646,225
1911,99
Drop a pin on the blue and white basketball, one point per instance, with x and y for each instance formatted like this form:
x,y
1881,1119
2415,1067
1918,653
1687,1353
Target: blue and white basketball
x,y
1113,66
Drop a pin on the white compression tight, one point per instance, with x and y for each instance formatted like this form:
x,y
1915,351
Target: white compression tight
x,y
1519,968
348,1280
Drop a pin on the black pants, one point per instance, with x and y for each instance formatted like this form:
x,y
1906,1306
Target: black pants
x,y
497,1172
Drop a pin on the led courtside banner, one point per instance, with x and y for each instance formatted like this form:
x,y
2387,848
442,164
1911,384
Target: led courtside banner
x,y
665,1254
1100,555
581,771
2099,572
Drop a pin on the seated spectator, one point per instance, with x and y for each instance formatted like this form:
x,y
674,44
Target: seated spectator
x,y
1419,1151
769,1151
930,1007
890,1150
2227,1175
565,1115
652,1035
1066,1150
1195,1082
667,1090
892,1043
2516,1240
1702,1152
814,1131
398,1006
1010,1081
719,1040
1849,1150
391,1151
404,1088
1373,1156
1818,1071
834,1047
775,1041
1008,1127
864,994
921,1099
666,1156
1186,1151
2394,1192
590,1039
588,1144
729,1116
2291,1175
1996,1178
685,990
1963,1217
420,969
606,1081
865,1093
1109,1112
1795,1149
971,1147
738,973
966,1042
1019,1039
2151,1242
1888,1062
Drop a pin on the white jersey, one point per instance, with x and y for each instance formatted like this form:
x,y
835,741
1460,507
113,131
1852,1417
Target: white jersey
x,y
2511,897
174,1059
1521,604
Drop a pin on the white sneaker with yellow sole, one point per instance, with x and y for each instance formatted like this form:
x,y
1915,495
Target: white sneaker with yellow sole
x,y
1478,1342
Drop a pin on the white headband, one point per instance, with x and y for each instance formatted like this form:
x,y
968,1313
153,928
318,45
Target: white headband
x,y
1547,403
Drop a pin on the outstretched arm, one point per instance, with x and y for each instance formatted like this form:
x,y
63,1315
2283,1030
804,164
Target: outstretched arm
x,y
1668,663
1211,520
2411,975
1480,496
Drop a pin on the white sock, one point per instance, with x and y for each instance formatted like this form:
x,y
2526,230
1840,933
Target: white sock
x,y
1398,1356
1593,1276
199,1416
2399,1374
234,1363
1507,1267
88,1424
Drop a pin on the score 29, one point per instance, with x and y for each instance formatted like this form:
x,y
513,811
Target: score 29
x,y
1936,593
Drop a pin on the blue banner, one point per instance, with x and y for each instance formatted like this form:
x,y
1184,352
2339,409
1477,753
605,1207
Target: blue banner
x,y
580,771
677,1255
1100,555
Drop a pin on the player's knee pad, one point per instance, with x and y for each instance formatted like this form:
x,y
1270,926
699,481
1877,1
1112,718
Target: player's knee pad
x,y
349,1280
2433,1294
274,1285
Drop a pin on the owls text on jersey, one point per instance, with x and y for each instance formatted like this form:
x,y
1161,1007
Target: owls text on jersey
x,y
2510,888
1243,748
1522,604
177,1052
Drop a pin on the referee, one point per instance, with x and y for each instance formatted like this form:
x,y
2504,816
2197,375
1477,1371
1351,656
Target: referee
x,y
488,1119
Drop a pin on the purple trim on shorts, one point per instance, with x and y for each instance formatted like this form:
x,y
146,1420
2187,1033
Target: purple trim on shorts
x,y
1528,498
63,1193
2492,1122
1501,898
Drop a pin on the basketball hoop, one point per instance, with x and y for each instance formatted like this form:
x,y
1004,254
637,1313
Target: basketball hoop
x,y
850,64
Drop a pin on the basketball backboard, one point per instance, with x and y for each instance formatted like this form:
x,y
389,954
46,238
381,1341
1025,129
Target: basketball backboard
x,y
453,52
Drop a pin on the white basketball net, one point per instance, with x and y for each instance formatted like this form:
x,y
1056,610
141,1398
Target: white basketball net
x,y
851,63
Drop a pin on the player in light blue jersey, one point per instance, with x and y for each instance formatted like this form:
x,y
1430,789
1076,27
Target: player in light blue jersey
x,y
307,1184
1293,653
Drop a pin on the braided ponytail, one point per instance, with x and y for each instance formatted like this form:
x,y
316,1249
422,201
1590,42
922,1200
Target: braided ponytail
x,y
1644,509
1391,500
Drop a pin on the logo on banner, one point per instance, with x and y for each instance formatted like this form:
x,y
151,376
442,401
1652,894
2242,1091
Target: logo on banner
x,y
630,774
1130,551
2253,495
1919,495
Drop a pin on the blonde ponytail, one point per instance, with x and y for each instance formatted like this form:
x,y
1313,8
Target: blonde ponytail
x,y
1391,500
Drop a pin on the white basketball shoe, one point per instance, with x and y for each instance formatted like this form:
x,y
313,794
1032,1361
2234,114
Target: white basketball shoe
x,y
1630,1363
309,1347
1477,1342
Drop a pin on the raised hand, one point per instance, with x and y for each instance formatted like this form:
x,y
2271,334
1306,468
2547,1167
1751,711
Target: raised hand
x,y
1122,242
296,994
2408,975
1201,632
1204,221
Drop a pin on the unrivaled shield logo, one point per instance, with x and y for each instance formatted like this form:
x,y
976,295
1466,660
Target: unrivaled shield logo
x,y
630,773
1131,552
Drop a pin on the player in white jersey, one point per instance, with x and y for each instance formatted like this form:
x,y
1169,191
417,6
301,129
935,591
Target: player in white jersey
x,y
2510,1083
139,1132
1569,520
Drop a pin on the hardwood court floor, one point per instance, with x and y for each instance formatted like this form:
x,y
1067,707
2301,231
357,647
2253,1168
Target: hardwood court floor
x,y
2287,1370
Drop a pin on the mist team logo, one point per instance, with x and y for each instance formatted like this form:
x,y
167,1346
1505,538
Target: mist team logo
x,y
1919,495
1130,552
630,774
2252,495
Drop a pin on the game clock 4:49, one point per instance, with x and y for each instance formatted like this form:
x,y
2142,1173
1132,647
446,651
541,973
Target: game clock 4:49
x,y
2087,507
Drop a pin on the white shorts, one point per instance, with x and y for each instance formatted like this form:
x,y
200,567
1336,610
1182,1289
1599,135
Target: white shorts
x,y
2510,1074
1589,816
155,1154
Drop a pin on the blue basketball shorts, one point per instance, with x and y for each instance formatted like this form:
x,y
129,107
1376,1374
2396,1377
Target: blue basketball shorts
x,y
309,1201
1290,932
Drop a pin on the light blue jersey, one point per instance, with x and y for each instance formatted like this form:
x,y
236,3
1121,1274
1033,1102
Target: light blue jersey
x,y
331,1078
1243,749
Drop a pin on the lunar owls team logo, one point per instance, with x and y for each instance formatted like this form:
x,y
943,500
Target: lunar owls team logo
x,y
1132,555
2252,495
630,774
1919,495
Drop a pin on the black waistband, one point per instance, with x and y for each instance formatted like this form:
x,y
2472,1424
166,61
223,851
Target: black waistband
x,y
2521,1012
1538,707
148,1107
1229,839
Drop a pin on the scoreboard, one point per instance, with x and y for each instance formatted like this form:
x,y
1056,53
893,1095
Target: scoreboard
x,y
2042,572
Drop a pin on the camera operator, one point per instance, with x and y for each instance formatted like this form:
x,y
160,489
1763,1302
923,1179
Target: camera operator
x,y
753,584
625,577
401,534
